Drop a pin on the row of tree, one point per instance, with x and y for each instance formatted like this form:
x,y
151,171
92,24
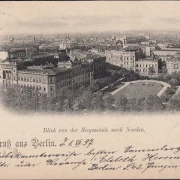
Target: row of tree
x,y
82,99
173,79
29,99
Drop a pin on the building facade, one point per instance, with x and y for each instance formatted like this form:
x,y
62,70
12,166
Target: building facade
x,y
147,67
173,64
97,62
17,53
122,59
148,50
46,79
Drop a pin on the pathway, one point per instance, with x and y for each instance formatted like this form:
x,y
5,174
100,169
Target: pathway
x,y
159,94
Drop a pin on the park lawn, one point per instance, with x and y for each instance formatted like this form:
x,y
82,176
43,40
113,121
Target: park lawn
x,y
139,90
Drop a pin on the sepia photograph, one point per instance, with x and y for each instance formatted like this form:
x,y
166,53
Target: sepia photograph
x,y
89,89
71,60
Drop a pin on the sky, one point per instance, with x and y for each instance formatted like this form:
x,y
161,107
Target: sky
x,y
40,17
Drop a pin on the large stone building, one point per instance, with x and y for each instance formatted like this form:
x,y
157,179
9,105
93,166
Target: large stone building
x,y
147,67
46,79
97,62
173,63
122,59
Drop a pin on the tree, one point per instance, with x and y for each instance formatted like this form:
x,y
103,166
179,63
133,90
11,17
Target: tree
x,y
61,97
174,105
9,97
164,69
121,103
151,71
152,103
174,82
94,86
97,102
108,101
86,99
131,105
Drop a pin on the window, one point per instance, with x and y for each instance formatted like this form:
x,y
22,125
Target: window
x,y
51,88
175,66
51,80
44,88
4,74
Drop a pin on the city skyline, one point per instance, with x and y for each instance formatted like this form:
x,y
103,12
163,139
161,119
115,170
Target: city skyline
x,y
85,17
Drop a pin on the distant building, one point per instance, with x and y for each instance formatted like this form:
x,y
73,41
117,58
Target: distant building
x,y
145,43
122,39
48,48
29,50
94,51
67,43
77,54
164,57
147,67
122,59
148,50
161,45
173,64
14,54
153,41
165,52
22,40
97,62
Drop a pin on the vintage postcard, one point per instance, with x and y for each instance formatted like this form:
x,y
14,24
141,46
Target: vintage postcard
x,y
90,90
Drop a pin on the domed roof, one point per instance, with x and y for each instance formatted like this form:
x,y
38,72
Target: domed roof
x,y
177,55
119,42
